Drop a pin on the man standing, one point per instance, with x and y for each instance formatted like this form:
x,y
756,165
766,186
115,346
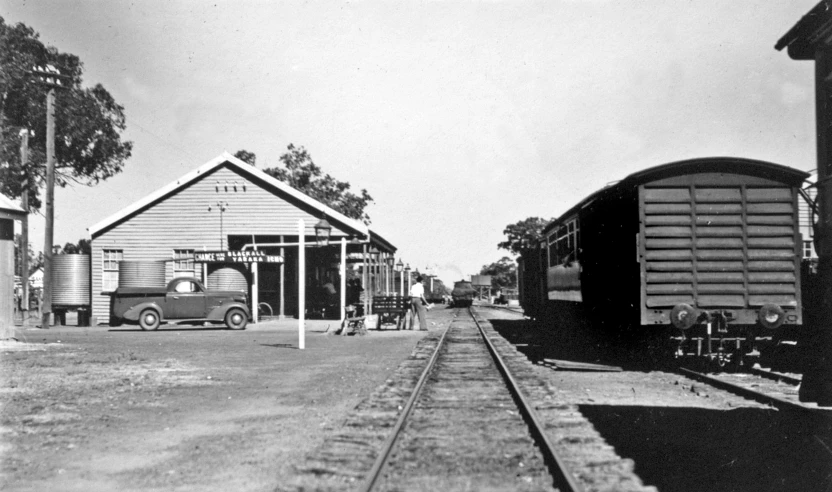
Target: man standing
x,y
417,304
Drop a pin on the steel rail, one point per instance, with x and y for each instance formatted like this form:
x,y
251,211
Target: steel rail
x,y
518,310
776,376
563,478
375,471
775,401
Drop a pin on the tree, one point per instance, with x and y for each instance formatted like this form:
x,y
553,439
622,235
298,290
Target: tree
x,y
35,261
88,121
528,229
301,173
82,247
246,156
503,273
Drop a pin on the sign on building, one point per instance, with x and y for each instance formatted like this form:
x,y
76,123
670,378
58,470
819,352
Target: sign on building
x,y
247,256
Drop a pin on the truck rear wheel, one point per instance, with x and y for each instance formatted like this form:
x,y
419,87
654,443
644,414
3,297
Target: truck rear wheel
x,y
235,319
149,320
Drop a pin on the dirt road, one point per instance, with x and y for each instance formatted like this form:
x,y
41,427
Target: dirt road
x,y
178,409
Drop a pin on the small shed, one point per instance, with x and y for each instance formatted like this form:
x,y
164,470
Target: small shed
x,y
9,212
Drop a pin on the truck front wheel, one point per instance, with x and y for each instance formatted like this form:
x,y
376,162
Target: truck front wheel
x,y
149,320
235,319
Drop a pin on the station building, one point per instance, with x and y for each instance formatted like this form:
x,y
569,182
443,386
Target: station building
x,y
235,227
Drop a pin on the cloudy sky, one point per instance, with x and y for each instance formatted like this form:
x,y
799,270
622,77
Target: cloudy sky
x,y
458,117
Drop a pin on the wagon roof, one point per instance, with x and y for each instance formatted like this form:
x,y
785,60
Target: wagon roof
x,y
731,165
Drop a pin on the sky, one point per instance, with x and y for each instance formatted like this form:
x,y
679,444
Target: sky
x,y
458,117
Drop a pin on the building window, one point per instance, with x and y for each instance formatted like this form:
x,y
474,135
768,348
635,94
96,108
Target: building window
x,y
183,263
808,249
109,276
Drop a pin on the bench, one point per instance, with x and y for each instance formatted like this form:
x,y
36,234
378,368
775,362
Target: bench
x,y
391,310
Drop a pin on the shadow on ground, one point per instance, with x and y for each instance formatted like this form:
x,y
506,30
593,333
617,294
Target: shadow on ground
x,y
545,343
695,449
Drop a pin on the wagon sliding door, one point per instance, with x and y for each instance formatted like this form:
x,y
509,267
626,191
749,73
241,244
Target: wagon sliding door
x,y
718,242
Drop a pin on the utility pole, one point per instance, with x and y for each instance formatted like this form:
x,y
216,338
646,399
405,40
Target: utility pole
x,y
23,247
50,77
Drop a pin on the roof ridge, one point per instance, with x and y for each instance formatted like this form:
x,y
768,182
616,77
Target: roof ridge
x,y
225,157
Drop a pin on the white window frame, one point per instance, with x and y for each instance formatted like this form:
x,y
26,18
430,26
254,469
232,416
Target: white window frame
x,y
183,268
109,268
808,249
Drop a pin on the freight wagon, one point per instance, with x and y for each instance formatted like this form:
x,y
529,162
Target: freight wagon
x,y
702,255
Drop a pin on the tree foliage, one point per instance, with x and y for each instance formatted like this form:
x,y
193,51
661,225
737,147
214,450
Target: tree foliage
x,y
246,156
82,247
35,259
503,273
301,173
528,230
88,121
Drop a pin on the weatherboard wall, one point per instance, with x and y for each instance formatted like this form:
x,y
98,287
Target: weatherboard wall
x,y
181,220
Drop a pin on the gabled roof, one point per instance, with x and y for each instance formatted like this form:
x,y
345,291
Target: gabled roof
x,y
812,33
226,159
381,243
10,210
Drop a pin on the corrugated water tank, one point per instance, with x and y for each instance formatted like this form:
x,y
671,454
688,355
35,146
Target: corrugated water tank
x,y
141,273
228,277
71,280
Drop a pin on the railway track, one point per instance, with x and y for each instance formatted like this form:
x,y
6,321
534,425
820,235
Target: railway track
x,y
459,406
469,426
515,310
772,388
468,411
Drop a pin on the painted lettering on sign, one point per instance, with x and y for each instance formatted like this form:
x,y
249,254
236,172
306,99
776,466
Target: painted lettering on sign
x,y
247,256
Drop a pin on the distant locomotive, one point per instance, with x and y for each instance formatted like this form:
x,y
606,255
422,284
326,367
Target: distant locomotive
x,y
703,253
463,293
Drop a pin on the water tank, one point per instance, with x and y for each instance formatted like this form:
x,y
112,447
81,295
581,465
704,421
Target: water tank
x,y
228,277
71,280
141,273
481,280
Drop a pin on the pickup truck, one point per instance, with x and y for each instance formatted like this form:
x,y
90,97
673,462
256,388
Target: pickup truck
x,y
183,300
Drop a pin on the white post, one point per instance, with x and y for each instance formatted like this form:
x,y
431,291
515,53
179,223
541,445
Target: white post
x,y
282,281
343,272
365,277
255,287
301,283
386,276
401,282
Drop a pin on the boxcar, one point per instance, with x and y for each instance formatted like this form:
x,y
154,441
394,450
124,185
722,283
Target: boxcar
x,y
705,252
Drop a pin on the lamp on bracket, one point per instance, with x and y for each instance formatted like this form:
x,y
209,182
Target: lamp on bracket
x,y
322,232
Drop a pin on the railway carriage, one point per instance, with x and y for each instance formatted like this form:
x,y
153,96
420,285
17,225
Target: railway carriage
x,y
705,252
